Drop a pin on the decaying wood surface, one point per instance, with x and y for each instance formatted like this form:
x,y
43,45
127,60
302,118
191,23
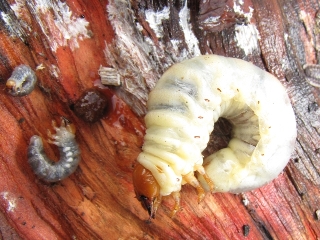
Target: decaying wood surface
x,y
98,201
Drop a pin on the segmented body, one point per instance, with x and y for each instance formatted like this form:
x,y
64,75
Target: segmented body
x,y
22,81
183,107
69,150
312,72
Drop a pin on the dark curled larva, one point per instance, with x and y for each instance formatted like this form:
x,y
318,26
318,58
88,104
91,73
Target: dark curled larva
x,y
252,100
22,81
45,168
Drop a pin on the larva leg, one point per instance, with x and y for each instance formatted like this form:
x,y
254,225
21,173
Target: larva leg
x,y
71,128
176,197
202,172
45,168
55,127
155,206
193,181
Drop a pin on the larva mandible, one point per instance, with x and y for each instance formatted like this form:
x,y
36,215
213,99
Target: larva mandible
x,y
182,109
64,138
22,81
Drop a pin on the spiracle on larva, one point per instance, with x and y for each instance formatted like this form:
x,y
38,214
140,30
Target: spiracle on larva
x,y
182,110
64,138
22,81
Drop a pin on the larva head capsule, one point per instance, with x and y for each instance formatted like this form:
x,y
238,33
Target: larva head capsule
x,y
147,189
11,85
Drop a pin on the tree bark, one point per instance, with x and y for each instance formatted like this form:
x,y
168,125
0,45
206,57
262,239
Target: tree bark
x,y
65,43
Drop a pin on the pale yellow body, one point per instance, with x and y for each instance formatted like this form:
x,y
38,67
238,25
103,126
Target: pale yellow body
x,y
187,101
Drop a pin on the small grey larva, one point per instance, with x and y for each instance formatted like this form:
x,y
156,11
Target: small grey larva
x,y
182,110
22,81
69,150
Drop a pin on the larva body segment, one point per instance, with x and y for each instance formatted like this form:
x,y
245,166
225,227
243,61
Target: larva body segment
x,y
312,72
182,109
22,81
45,168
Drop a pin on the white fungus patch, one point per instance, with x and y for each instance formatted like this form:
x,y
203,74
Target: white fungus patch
x,y
17,7
54,70
245,200
175,44
40,67
66,29
11,25
246,36
190,38
131,60
213,20
55,19
139,60
89,99
10,200
155,20
7,20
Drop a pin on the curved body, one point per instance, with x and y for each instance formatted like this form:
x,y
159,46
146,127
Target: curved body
x,y
183,107
69,150
22,81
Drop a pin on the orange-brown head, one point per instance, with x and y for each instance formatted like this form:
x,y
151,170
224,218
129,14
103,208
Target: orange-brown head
x,y
11,85
147,189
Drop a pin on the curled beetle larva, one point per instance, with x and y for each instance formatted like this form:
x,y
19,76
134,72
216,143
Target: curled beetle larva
x,y
182,109
69,150
22,81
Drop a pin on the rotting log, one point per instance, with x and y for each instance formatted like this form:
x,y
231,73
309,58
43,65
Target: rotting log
x,y
68,41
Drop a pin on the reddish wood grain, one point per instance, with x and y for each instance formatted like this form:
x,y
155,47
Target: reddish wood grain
x,y
98,200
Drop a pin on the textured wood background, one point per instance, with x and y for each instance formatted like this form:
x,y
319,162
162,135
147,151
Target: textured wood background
x,y
97,201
